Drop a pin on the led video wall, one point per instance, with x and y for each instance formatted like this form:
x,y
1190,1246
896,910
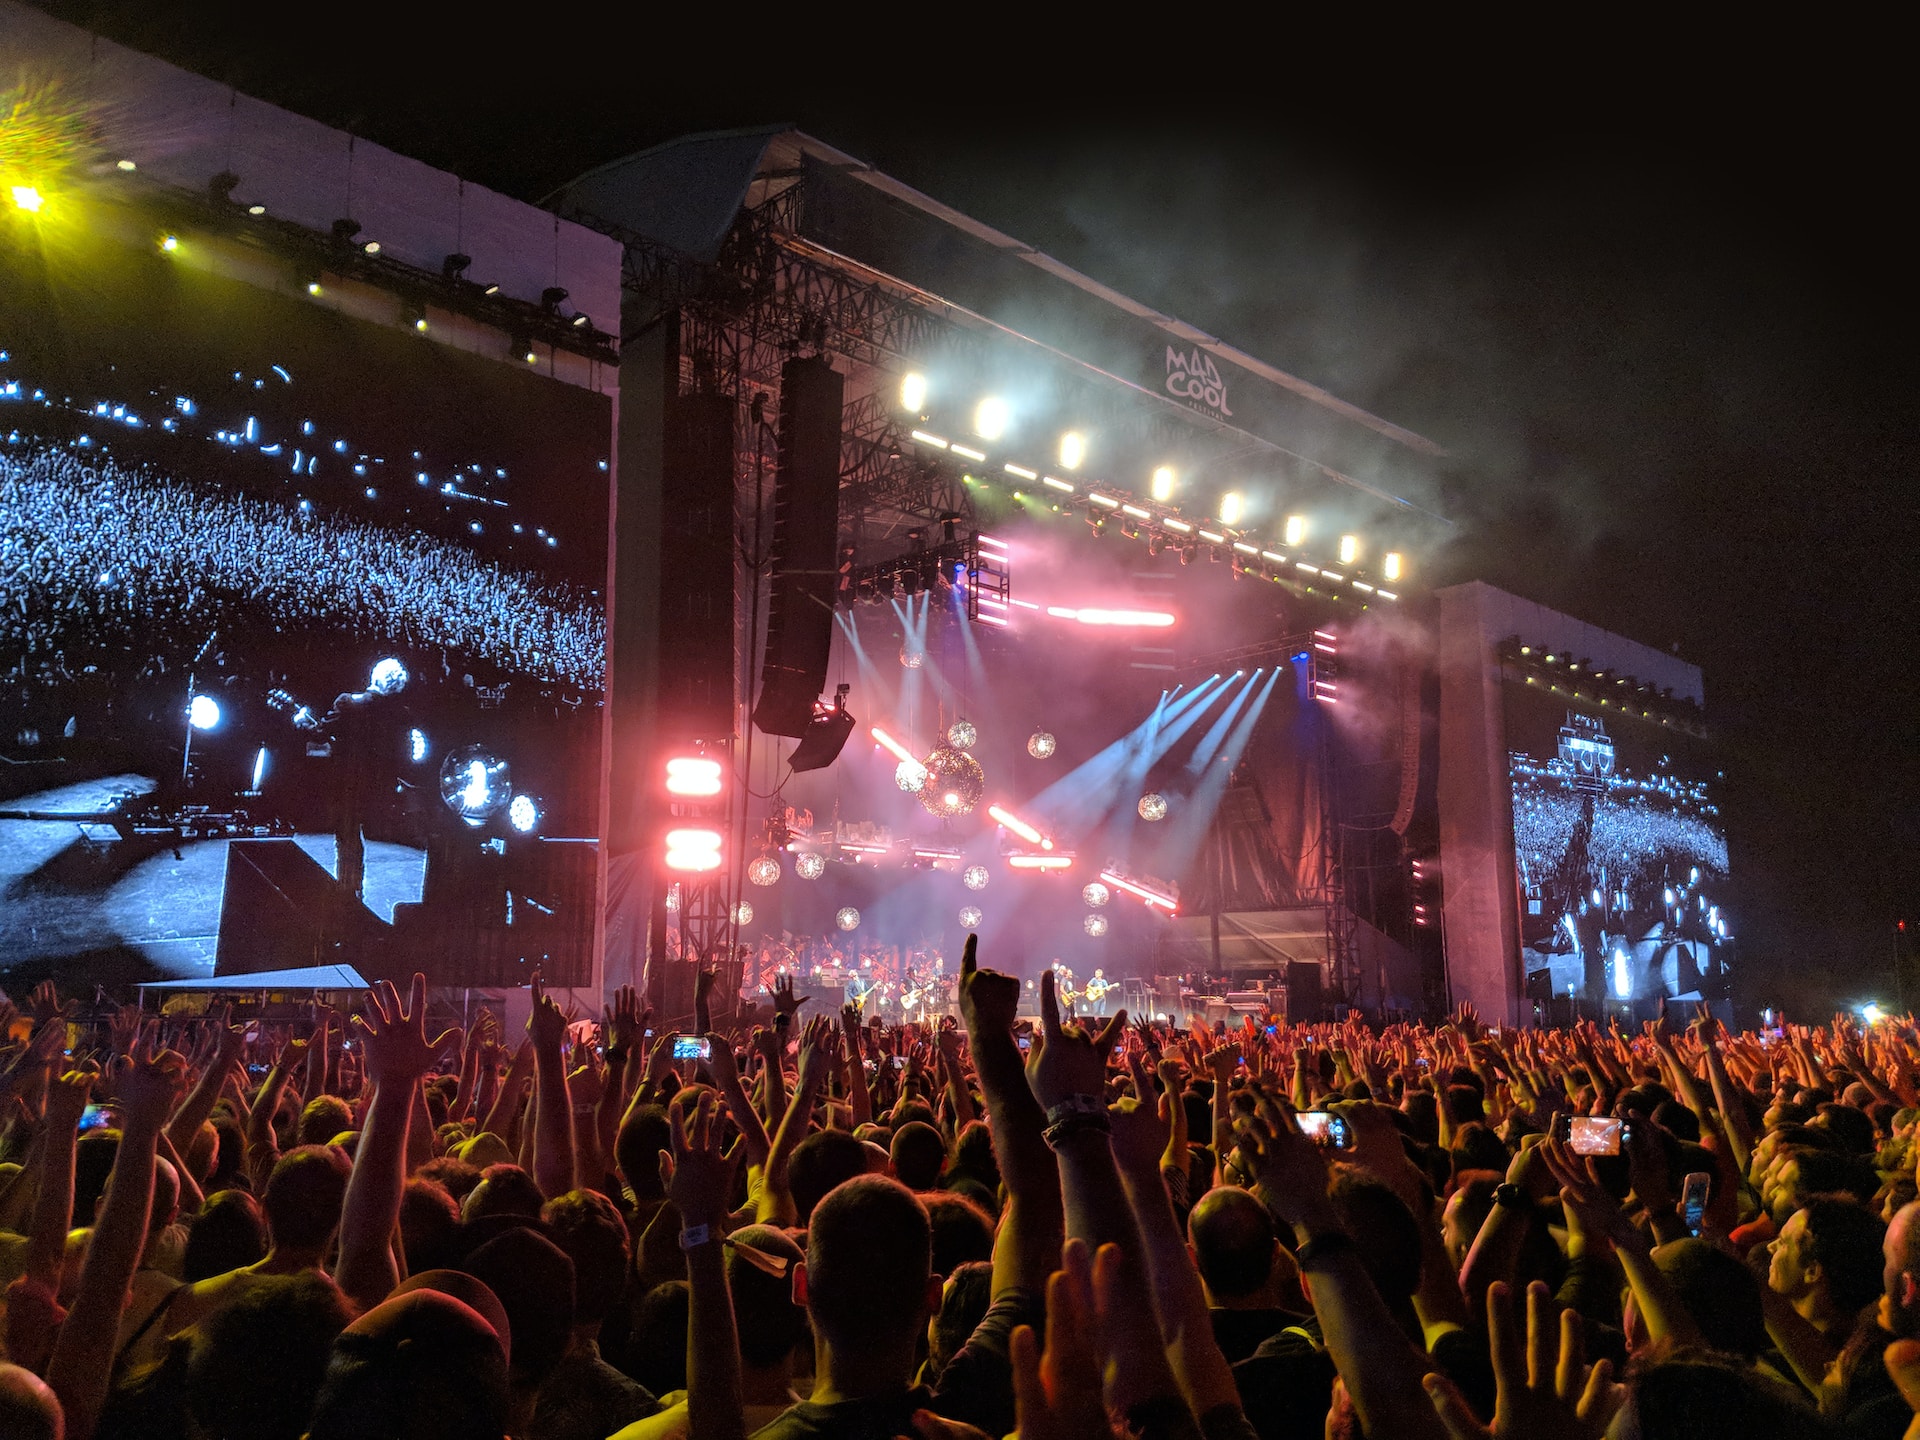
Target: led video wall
x,y
1621,850
301,633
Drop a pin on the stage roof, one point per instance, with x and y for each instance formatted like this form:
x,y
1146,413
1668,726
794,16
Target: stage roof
x,y
687,195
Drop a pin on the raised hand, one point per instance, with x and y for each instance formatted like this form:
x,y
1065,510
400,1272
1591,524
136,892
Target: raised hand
x,y
1539,1397
1287,1167
989,1001
697,1176
44,1003
1058,1395
546,1024
146,1084
394,1040
625,1023
67,1099
785,1002
1068,1059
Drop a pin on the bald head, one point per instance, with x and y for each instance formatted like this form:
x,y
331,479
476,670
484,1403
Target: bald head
x,y
1900,1279
1233,1243
28,1410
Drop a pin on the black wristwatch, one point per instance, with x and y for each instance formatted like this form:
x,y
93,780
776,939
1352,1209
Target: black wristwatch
x,y
1510,1196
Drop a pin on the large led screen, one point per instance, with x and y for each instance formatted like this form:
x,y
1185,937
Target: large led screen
x,y
1621,850
301,630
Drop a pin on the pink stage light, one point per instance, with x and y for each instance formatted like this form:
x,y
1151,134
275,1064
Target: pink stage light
x,y
900,751
1154,619
1014,823
1040,862
1152,897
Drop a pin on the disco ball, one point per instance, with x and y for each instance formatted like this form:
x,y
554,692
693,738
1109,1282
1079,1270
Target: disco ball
x,y
955,782
1095,925
970,917
910,775
1040,744
1096,894
1153,806
743,914
913,659
475,783
809,866
974,877
673,897
764,871
848,918
961,735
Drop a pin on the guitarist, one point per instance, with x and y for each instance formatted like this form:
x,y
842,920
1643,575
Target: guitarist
x,y
368,729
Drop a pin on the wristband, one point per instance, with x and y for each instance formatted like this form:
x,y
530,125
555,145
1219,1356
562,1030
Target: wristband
x,y
694,1236
1071,1105
1509,1196
782,1019
1083,1122
1320,1247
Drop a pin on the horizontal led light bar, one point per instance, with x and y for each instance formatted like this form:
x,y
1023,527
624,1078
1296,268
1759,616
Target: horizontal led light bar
x,y
1040,862
1211,538
934,440
990,620
693,775
1052,484
967,453
1136,512
1154,619
1152,897
1107,500
1178,525
1021,471
1014,823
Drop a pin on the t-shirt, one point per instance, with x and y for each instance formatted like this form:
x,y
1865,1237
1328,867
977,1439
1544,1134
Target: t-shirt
x,y
1286,1386
883,1417
1239,1332
584,1398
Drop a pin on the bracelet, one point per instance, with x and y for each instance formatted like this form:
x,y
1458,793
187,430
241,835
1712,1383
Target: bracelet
x,y
1322,1246
1509,1196
1071,1105
1084,1122
694,1236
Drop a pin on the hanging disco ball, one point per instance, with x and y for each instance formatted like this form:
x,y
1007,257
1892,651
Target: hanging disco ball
x,y
913,659
1153,806
475,783
961,735
809,866
764,871
974,877
1096,894
1040,744
743,914
910,775
1095,925
970,917
955,782
848,918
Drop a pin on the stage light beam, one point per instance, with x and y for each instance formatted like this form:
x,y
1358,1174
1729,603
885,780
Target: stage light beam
x,y
1296,531
1231,508
1391,565
913,392
1014,823
28,198
203,712
1164,482
1073,450
990,418
1349,549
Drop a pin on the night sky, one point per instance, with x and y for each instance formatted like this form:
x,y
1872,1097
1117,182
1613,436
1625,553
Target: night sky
x,y
1654,293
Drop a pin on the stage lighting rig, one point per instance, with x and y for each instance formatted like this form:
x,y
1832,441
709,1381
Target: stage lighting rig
x,y
454,266
475,784
220,189
523,813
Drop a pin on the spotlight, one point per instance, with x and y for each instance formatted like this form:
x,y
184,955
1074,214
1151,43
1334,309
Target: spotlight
x,y
1390,565
551,298
1163,484
581,321
523,813
417,747
415,314
974,877
694,775
691,849
969,917
28,199
809,866
256,210
169,243
1095,925
372,247
1073,450
913,392
344,229
1041,744
203,712
764,871
990,418
307,277
1349,549
127,165
1153,806
1296,531
475,783
521,346
1231,506
454,265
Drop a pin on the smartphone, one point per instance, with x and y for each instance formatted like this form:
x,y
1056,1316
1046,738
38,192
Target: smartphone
x,y
1421,1062
899,1062
1693,1200
1324,1129
649,1035
692,1047
1026,1042
94,1116
1594,1134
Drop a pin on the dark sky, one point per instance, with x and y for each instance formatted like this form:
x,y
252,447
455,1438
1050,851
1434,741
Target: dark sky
x,y
1655,291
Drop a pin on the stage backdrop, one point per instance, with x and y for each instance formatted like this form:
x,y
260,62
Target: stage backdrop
x,y
1621,851
231,502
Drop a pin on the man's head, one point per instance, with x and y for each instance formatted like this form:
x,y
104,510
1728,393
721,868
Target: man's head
x,y
961,1230
1828,1255
28,1409
1799,1175
534,1280
325,1116
636,1150
420,1366
389,677
229,1232
917,1155
1388,1235
869,1264
1900,1274
503,1190
429,1224
585,1225
770,1325
303,1197
257,1363
1233,1243
825,1159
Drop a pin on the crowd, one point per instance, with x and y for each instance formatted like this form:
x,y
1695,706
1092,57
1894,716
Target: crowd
x,y
99,561
824,1227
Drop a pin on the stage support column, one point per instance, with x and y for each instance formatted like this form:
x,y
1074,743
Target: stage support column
x,y
1482,910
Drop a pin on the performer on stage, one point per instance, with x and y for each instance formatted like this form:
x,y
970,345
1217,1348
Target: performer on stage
x,y
1097,990
368,729
857,991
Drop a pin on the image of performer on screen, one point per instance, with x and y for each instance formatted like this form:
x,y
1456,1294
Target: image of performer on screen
x,y
368,732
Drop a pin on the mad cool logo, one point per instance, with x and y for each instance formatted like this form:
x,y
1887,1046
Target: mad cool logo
x,y
1195,378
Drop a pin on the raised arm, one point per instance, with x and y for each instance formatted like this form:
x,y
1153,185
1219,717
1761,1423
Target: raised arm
x,y
859,1095
552,1108
776,1200
394,1042
698,1180
194,1110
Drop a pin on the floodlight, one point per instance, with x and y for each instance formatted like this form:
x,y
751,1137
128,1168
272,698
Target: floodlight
x,y
1163,483
693,849
913,391
1349,549
169,243
1073,450
1390,565
1296,530
990,418
417,747
28,198
523,813
203,712
1231,508
693,775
